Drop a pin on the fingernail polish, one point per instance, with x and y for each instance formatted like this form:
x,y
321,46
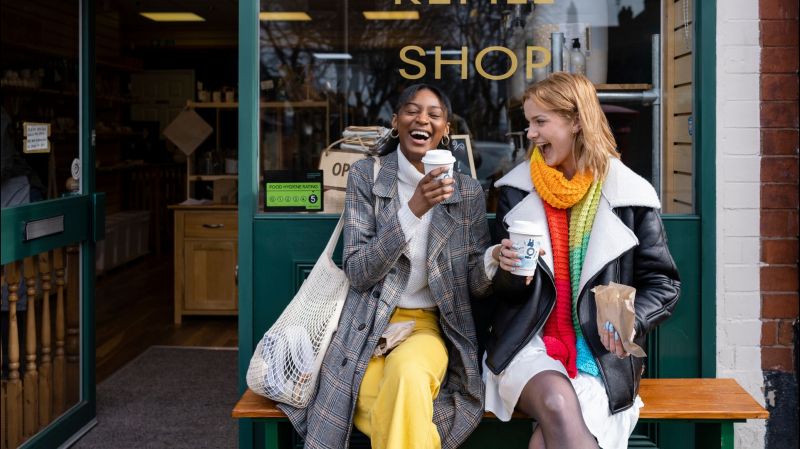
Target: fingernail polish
x,y
616,336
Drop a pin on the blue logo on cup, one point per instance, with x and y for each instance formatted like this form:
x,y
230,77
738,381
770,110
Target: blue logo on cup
x,y
528,253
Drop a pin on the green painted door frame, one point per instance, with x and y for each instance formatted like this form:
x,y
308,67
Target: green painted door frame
x,y
249,113
271,270
705,103
83,225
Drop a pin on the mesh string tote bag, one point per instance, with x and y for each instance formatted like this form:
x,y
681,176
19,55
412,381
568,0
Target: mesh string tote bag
x,y
287,360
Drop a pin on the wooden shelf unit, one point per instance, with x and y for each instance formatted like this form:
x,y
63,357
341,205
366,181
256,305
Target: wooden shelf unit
x,y
218,107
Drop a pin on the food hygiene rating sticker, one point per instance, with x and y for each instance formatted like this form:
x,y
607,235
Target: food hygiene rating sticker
x,y
284,195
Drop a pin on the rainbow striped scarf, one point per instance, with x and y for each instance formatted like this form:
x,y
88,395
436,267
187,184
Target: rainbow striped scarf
x,y
569,237
580,226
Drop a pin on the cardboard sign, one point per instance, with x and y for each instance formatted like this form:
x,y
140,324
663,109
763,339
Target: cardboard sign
x,y
336,166
286,191
36,137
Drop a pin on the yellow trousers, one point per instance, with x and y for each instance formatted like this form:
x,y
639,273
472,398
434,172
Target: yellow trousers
x,y
395,402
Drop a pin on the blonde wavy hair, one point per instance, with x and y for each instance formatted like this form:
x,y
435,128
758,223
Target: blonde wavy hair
x,y
574,97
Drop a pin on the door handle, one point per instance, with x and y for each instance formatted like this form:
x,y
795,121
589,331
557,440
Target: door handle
x,y
213,225
236,275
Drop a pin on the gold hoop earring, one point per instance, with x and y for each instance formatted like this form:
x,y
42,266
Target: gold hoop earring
x,y
394,133
446,143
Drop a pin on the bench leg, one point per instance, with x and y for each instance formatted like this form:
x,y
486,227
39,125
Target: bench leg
x,y
271,435
258,434
714,435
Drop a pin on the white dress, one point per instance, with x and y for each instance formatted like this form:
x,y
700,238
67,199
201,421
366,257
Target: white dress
x,y
503,390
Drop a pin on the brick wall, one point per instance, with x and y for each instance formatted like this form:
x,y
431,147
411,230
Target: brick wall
x,y
779,181
778,25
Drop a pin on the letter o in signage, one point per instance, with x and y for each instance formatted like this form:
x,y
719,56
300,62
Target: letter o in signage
x,y
340,169
485,74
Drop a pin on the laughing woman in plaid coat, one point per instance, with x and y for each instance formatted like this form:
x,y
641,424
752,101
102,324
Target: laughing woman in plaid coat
x,y
413,251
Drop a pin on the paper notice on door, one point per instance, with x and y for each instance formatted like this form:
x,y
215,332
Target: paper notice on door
x,y
36,137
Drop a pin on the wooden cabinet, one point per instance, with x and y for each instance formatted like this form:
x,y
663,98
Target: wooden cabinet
x,y
205,261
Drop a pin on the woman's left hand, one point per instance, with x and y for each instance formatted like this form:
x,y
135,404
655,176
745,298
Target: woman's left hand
x,y
610,339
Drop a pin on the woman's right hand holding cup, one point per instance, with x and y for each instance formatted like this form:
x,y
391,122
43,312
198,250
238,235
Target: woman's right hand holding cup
x,y
430,192
508,257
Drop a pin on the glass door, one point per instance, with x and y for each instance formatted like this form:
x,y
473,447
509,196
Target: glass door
x,y
51,219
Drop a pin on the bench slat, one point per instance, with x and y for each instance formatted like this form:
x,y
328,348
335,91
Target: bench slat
x,y
252,405
694,399
698,399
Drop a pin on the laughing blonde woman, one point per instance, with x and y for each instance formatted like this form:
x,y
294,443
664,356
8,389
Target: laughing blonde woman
x,y
601,223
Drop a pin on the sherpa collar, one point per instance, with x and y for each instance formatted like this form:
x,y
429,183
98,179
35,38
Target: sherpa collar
x,y
621,187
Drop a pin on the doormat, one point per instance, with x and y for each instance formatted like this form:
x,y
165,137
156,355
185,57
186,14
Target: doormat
x,y
168,397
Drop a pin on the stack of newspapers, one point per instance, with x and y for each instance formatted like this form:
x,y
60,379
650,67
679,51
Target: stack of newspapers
x,y
364,139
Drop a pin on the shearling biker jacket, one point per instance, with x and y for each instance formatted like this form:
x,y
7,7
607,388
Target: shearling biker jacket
x,y
627,245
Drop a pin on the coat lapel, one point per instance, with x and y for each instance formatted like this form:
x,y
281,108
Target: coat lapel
x,y
610,238
442,226
385,187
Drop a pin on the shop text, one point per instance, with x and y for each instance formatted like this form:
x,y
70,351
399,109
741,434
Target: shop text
x,y
411,55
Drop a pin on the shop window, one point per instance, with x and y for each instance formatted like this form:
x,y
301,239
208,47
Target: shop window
x,y
39,85
327,65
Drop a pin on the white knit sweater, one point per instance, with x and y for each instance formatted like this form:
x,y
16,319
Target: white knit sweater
x,y
417,294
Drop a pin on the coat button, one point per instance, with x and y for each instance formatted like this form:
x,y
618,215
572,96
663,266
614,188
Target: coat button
x,y
344,361
393,270
376,294
361,326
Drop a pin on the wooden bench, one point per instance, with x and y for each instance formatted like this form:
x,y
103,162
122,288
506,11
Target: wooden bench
x,y
713,405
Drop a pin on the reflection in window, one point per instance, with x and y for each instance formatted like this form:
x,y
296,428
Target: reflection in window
x,y
337,65
39,86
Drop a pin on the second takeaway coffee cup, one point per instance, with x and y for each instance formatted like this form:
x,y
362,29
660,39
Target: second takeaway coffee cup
x,y
527,242
434,159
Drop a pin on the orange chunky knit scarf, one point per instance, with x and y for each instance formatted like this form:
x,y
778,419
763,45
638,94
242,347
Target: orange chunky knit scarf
x,y
553,187
561,334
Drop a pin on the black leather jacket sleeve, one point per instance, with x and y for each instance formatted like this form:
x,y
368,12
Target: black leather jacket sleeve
x,y
509,197
509,287
655,275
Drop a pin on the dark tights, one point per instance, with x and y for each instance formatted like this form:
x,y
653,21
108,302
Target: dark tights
x,y
550,399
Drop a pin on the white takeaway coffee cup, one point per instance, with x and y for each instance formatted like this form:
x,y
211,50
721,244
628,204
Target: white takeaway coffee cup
x,y
527,241
434,159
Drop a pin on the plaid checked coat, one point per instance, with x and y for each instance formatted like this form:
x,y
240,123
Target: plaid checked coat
x,y
378,270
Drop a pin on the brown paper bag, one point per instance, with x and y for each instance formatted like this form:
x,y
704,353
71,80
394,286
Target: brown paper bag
x,y
395,334
615,305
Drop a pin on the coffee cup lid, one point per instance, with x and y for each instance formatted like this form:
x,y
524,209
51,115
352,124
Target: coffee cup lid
x,y
437,157
523,227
